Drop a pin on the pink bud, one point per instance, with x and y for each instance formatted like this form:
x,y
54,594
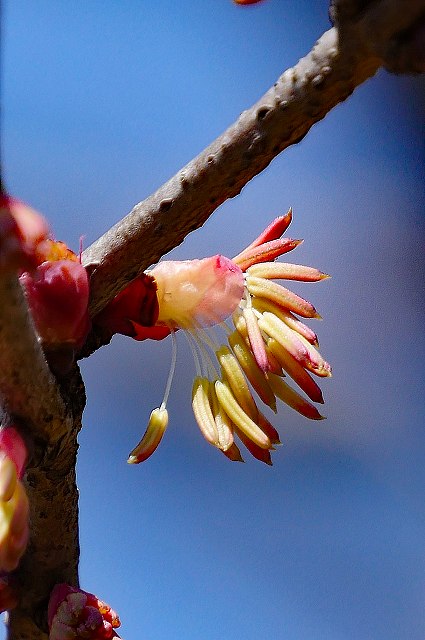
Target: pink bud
x,y
12,445
58,295
22,229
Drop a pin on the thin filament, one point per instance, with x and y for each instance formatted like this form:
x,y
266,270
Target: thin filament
x,y
195,355
172,370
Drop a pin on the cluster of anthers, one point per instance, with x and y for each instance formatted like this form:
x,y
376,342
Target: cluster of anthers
x,y
265,342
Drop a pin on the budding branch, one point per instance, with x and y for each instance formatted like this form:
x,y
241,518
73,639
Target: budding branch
x,y
343,58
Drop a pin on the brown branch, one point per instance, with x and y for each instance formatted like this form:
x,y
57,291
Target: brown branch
x,y
32,398
53,551
340,61
28,390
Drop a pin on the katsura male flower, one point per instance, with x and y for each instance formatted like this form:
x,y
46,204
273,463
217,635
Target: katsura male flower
x,y
14,506
265,342
74,613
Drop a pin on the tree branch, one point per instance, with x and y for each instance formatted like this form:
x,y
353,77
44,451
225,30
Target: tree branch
x,y
31,395
53,551
341,60
28,389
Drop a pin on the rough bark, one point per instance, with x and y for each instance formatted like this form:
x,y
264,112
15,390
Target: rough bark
x,y
28,390
53,553
48,414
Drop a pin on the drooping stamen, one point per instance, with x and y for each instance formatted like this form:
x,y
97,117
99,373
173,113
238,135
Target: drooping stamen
x,y
236,379
158,420
251,369
296,371
256,339
316,363
275,328
261,305
157,425
241,328
223,423
201,405
258,452
239,417
293,399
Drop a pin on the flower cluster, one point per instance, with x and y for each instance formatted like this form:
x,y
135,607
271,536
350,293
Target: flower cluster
x,y
14,506
74,613
266,342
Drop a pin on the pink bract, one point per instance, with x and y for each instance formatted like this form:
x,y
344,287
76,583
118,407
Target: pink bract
x,y
134,311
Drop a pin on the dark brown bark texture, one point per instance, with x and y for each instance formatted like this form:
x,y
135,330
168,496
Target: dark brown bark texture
x,y
367,35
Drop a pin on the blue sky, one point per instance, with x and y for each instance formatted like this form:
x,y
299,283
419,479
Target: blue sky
x,y
102,102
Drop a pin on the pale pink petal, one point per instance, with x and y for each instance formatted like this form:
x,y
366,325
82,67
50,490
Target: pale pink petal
x,y
197,292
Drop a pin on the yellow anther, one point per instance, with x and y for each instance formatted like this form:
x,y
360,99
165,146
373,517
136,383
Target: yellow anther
x,y
239,417
157,425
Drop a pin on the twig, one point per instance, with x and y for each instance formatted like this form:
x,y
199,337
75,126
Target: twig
x,y
341,60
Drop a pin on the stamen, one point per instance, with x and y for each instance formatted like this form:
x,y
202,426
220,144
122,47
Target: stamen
x,y
227,330
206,361
193,344
171,372
256,339
248,298
209,340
